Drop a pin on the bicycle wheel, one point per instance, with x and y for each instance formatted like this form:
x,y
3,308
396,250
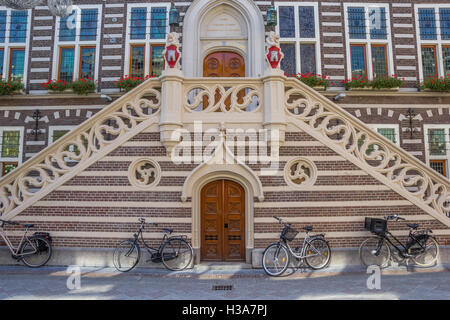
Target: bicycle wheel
x,y
35,252
318,254
275,260
126,255
176,254
428,256
375,251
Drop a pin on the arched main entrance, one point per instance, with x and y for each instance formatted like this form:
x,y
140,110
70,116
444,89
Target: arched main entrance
x,y
223,221
224,64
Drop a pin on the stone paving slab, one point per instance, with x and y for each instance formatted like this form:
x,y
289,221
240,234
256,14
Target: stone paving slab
x,y
17,283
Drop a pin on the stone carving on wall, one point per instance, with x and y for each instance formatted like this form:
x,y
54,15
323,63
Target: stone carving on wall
x,y
171,52
300,173
144,173
273,50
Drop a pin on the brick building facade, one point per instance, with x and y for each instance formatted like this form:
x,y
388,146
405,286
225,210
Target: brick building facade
x,y
98,202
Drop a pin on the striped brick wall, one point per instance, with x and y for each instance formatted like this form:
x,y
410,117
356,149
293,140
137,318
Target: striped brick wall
x,y
99,206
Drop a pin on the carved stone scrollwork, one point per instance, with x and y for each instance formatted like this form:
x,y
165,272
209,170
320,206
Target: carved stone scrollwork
x,y
218,98
370,149
73,151
300,173
144,173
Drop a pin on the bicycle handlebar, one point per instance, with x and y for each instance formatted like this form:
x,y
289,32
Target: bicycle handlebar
x,y
12,223
394,217
142,221
281,220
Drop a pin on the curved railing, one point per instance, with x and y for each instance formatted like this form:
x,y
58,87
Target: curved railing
x,y
78,149
381,158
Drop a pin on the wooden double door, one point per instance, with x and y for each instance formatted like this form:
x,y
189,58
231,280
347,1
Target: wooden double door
x,y
223,221
224,64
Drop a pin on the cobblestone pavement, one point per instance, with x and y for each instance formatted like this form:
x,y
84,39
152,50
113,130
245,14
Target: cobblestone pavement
x,y
101,283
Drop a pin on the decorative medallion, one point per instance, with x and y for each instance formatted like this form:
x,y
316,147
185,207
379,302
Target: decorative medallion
x,y
144,173
234,63
212,63
300,173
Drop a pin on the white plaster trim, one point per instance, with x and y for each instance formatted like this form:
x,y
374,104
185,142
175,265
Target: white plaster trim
x,y
192,57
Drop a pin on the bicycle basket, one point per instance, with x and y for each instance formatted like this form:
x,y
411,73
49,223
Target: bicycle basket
x,y
289,233
375,225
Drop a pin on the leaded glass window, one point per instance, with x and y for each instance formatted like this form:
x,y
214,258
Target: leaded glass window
x,y
308,58
138,23
137,68
437,142
157,66
10,144
358,58
287,22
17,64
89,21
87,62
379,61
357,22
307,22
388,133
2,56
288,64
67,28
429,61
18,31
158,23
2,26
377,23
66,56
58,134
445,23
427,24
446,60
8,167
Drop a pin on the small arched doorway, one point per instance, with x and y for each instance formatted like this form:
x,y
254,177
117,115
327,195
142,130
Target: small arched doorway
x,y
224,64
223,221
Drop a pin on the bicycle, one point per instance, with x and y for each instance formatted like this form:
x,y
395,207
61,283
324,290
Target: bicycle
x,y
34,251
421,247
174,252
315,251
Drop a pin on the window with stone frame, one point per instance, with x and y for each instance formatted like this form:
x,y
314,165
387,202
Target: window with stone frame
x,y
433,29
299,37
11,148
77,44
14,32
436,147
147,29
369,49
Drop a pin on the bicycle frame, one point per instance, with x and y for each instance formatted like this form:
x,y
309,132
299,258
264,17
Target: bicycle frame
x,y
302,255
15,250
150,249
400,251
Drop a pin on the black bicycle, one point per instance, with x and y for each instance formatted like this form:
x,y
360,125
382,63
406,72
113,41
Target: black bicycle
x,y
315,251
421,246
174,252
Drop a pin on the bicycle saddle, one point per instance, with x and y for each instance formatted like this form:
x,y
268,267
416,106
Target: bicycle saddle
x,y
308,228
167,230
413,226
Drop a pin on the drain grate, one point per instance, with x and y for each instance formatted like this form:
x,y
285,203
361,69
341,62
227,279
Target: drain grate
x,y
222,288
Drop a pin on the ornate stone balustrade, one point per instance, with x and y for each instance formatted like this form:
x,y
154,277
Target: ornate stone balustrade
x,y
80,148
354,140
